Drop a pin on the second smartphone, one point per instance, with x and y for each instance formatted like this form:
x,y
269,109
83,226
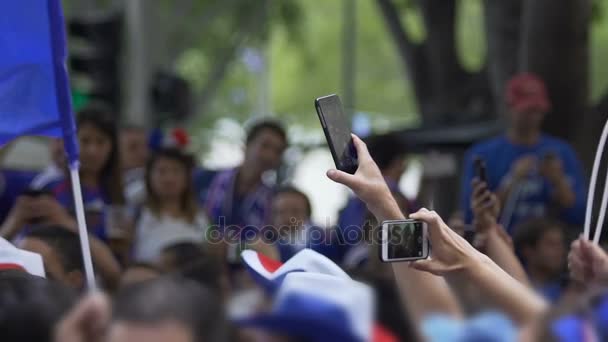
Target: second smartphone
x,y
404,240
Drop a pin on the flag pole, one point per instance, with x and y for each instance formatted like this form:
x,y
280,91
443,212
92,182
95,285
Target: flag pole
x,y
82,226
68,126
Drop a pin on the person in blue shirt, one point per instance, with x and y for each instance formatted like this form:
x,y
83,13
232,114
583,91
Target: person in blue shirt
x,y
100,173
541,246
291,216
534,174
238,200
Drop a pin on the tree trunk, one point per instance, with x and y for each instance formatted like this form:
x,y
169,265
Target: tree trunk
x,y
502,22
555,45
445,92
412,55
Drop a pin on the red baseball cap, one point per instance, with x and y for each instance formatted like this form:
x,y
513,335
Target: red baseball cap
x,y
526,92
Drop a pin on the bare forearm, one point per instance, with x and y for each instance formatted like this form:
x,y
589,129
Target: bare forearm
x,y
10,228
105,262
502,254
564,195
423,293
516,299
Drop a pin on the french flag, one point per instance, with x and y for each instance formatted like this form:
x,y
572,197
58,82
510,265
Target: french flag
x,y
321,308
269,273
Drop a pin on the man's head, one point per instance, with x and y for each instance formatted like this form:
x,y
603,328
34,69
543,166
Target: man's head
x,y
389,153
266,141
290,207
167,309
133,147
527,102
30,306
60,251
139,273
542,245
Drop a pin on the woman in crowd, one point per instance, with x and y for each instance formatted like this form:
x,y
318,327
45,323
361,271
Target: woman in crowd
x,y
170,214
100,173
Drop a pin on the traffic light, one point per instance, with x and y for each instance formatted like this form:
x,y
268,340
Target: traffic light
x,y
171,97
94,46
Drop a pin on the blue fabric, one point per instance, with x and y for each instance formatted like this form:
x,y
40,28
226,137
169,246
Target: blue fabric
x,y
486,327
499,155
251,212
552,292
302,316
569,329
34,89
202,182
94,200
12,184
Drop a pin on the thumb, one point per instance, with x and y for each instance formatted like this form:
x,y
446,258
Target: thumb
x,y
343,178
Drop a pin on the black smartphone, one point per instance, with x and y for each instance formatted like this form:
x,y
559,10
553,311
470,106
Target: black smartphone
x,y
480,169
337,132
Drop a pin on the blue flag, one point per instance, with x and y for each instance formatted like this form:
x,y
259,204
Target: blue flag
x,y
34,89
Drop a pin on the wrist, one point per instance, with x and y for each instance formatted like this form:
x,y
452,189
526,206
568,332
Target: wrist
x,y
384,207
389,210
475,264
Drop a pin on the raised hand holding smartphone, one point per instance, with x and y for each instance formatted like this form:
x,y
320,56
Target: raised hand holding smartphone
x,y
337,132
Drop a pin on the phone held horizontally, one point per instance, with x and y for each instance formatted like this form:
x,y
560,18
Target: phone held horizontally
x,y
337,132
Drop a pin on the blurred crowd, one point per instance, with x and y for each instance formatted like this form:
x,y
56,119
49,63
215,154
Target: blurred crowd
x,y
183,253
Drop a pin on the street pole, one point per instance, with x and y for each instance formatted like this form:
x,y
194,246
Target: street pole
x,y
135,74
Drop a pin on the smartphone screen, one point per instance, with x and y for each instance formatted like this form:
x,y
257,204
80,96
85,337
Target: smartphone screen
x,y
404,240
337,132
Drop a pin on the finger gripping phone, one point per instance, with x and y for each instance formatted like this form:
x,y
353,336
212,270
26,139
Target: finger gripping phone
x,y
337,132
404,240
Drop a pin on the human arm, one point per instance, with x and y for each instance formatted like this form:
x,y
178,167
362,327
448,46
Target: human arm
x,y
497,244
588,263
520,169
87,321
53,213
452,255
552,169
28,209
431,293
572,181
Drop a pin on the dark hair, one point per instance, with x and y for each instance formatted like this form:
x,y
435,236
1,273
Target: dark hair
x,y
195,263
173,298
64,242
266,124
102,118
528,233
185,252
385,149
288,189
188,202
30,306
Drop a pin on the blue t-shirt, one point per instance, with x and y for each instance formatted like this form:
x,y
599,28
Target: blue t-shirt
x,y
94,200
534,197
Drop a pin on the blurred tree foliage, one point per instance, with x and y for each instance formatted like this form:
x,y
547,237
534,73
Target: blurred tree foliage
x,y
217,44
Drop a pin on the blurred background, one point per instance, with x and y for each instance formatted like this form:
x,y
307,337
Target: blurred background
x,y
430,72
